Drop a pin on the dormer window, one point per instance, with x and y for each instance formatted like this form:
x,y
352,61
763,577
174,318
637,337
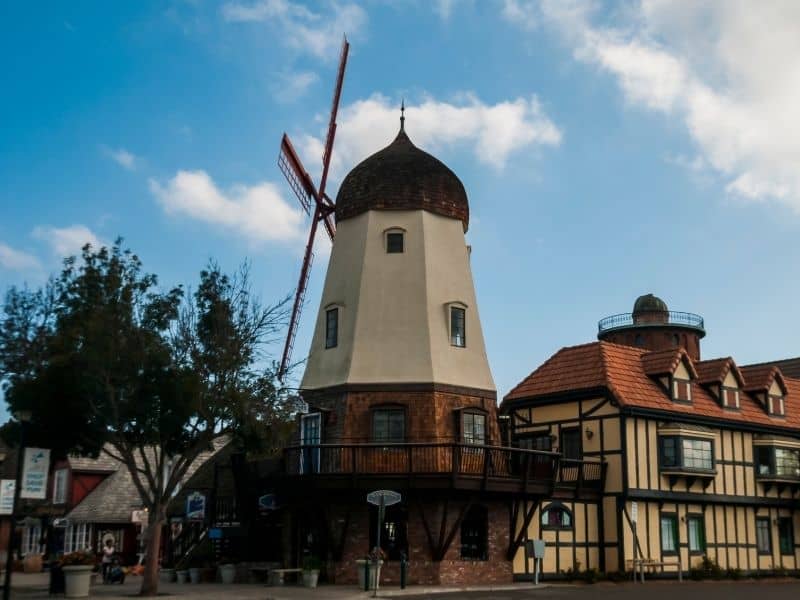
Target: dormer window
x,y
681,390
395,241
729,397
775,405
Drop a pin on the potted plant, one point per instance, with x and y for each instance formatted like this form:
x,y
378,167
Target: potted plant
x,y
166,573
195,565
77,567
311,566
227,570
376,558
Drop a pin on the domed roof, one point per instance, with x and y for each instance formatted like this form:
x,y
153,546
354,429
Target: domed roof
x,y
402,177
649,303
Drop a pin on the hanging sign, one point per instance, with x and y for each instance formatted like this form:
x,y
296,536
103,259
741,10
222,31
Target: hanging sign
x,y
7,487
139,516
195,507
34,473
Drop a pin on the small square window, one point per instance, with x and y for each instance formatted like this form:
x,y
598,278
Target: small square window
x,y
458,334
474,427
331,327
394,242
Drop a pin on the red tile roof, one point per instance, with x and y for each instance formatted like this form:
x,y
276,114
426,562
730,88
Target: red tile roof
x,y
790,367
716,369
664,362
621,370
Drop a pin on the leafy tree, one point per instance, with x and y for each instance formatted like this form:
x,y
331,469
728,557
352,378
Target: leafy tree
x,y
107,362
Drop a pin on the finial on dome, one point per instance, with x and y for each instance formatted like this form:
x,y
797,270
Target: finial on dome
x,y
402,114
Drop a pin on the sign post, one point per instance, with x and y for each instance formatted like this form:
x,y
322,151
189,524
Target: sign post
x,y
381,499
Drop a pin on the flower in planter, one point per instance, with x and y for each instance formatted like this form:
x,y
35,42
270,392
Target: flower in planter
x,y
79,558
311,563
377,554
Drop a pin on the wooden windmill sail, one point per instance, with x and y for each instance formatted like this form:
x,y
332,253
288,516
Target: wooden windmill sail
x,y
315,202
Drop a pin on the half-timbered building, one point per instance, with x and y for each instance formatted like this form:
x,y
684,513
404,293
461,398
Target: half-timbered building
x,y
703,456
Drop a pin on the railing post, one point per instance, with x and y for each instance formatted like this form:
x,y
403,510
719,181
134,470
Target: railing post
x,y
485,466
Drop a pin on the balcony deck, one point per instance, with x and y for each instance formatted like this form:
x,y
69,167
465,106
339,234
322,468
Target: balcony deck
x,y
652,319
448,465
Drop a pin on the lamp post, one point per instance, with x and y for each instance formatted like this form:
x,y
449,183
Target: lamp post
x,y
22,417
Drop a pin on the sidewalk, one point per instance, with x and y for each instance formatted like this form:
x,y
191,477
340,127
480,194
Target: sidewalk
x,y
29,586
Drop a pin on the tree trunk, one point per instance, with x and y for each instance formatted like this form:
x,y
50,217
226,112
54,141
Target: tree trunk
x,y
152,549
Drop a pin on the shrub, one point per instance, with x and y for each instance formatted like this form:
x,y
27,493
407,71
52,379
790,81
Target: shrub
x,y
591,575
734,574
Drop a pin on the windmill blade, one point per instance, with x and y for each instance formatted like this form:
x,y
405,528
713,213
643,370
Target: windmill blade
x,y
299,298
337,94
299,180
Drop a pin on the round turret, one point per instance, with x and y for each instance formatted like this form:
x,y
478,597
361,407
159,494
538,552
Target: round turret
x,y
653,326
402,177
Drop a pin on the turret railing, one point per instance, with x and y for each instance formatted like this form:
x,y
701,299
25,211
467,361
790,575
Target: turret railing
x,y
651,319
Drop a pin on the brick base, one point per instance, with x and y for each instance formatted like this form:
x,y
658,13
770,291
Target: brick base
x,y
422,569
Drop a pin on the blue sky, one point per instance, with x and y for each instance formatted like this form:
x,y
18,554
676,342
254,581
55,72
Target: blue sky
x,y
607,150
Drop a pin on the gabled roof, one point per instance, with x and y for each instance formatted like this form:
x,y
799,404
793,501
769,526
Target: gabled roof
x,y
116,497
716,369
790,367
620,370
102,464
664,362
759,378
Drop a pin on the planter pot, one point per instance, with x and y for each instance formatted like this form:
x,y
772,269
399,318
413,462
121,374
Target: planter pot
x,y
182,576
32,563
373,571
194,575
167,575
310,578
227,573
76,581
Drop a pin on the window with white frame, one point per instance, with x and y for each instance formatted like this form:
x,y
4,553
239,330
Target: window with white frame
x,y
473,426
32,540
78,536
458,326
681,390
730,397
60,478
775,405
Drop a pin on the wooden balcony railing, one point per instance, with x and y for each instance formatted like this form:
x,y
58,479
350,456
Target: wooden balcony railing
x,y
493,467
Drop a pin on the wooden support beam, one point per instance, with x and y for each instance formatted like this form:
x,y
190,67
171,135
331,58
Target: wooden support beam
x,y
431,545
464,509
517,541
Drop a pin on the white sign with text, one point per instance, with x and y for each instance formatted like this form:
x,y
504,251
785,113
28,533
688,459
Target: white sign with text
x,y
34,473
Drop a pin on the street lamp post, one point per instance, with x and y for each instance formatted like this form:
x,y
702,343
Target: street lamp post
x,y
23,418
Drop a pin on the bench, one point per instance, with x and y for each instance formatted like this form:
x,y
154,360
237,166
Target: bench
x,y
640,564
276,575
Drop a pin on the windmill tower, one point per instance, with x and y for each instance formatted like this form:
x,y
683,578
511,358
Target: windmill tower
x,y
398,320
399,391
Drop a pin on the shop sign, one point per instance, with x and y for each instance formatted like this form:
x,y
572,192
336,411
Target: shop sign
x,y
34,473
195,507
7,487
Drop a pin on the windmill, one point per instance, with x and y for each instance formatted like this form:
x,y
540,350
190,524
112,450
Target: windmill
x,y
315,202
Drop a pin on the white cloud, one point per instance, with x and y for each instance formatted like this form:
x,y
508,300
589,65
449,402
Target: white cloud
x,y
257,212
17,260
303,29
67,241
523,14
728,70
493,132
122,157
291,86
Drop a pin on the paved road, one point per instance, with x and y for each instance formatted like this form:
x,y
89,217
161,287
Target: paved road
x,y
724,590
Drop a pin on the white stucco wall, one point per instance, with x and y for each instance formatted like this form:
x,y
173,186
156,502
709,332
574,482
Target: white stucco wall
x,y
394,318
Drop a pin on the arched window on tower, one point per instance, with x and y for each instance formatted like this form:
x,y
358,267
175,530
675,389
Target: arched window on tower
x,y
639,341
395,240
457,315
